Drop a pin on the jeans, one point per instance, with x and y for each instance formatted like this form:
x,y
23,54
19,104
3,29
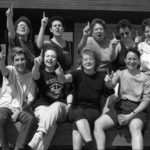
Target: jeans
x,y
27,129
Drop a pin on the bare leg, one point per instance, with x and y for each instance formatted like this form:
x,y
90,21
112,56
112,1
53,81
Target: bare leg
x,y
136,126
102,123
84,129
77,140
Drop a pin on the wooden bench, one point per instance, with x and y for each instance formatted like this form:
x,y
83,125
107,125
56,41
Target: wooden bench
x,y
63,136
116,137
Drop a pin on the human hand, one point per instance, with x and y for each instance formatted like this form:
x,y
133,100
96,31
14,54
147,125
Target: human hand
x,y
121,118
9,12
15,115
58,69
86,30
114,41
38,61
108,77
138,38
44,20
125,119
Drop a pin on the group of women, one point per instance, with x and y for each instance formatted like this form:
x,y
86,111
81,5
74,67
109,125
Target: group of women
x,y
78,94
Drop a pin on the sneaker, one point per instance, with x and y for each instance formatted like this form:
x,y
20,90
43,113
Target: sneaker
x,y
35,140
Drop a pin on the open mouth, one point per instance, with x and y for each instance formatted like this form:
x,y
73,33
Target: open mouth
x,y
99,35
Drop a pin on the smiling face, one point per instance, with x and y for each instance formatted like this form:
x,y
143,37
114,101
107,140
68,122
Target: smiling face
x,y
132,61
88,61
22,28
50,59
98,32
57,28
20,63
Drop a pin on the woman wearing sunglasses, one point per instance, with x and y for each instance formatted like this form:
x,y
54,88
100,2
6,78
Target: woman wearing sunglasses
x,y
126,42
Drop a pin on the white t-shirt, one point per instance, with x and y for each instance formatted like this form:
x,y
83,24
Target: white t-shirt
x,y
144,49
17,89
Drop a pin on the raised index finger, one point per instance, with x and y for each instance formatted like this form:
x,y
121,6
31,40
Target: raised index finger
x,y
107,71
88,24
12,5
114,35
43,14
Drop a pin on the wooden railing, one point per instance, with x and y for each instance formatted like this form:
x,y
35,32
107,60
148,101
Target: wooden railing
x,y
119,5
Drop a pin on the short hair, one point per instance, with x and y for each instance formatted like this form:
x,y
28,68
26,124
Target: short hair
x,y
123,23
145,22
27,21
90,52
133,50
97,21
18,51
56,18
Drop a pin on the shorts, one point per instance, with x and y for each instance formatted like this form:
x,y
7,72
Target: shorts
x,y
77,113
126,107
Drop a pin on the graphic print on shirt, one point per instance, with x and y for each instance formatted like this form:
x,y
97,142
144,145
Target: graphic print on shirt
x,y
55,88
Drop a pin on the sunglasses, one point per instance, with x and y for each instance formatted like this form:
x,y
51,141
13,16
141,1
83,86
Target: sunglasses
x,y
123,34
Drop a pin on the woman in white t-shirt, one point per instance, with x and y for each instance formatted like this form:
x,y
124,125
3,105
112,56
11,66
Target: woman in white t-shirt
x,y
144,47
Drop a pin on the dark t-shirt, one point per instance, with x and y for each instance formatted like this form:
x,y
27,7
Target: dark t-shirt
x,y
65,54
88,88
49,89
119,62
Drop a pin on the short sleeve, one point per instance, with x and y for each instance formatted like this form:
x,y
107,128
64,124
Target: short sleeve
x,y
146,90
140,48
75,75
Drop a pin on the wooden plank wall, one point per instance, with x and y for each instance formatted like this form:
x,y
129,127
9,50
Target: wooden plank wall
x,y
123,5
110,28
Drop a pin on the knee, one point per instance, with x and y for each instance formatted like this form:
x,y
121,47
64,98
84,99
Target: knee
x,y
136,127
98,126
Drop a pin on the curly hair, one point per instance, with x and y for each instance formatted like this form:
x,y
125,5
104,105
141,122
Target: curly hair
x,y
28,22
97,21
145,22
92,53
56,18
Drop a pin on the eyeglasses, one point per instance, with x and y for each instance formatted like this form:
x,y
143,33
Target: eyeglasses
x,y
123,34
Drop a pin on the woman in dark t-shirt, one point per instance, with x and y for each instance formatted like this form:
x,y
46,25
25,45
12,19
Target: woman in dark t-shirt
x,y
63,48
88,88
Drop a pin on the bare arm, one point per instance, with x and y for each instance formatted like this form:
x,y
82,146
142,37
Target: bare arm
x,y
86,34
60,75
143,105
3,67
40,38
10,24
115,49
36,67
